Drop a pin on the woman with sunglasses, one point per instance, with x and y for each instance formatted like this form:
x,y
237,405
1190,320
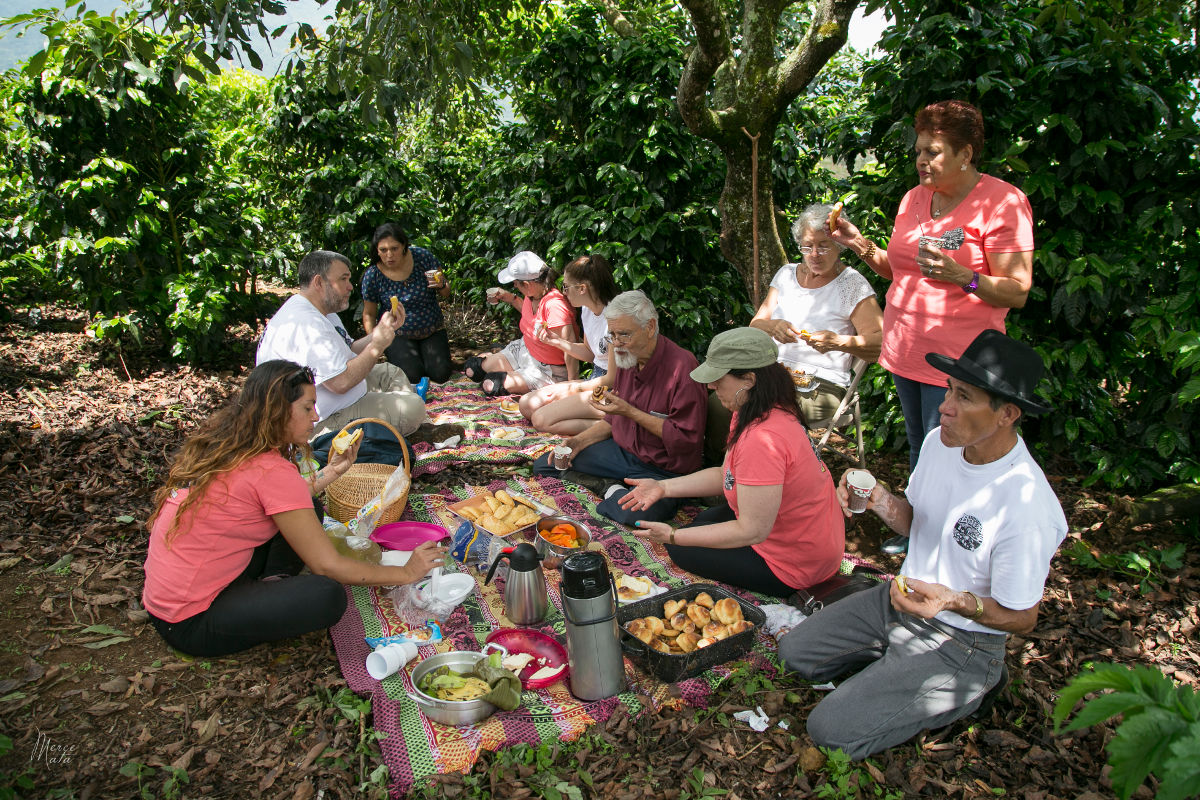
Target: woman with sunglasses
x,y
563,408
235,523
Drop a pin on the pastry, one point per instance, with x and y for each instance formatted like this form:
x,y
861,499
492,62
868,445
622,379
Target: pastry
x,y
698,614
687,642
727,611
673,607
833,216
345,440
704,599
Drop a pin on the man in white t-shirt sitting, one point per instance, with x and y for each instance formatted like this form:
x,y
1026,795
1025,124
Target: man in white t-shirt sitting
x,y
351,384
983,524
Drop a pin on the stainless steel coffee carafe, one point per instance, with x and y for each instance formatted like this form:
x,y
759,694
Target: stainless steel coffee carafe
x,y
589,601
525,599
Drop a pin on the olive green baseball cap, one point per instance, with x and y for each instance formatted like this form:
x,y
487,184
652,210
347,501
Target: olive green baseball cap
x,y
739,348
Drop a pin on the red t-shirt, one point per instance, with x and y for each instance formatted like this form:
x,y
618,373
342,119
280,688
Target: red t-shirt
x,y
926,316
232,519
555,312
807,541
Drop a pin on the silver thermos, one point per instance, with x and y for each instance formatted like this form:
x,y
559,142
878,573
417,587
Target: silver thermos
x,y
525,587
589,601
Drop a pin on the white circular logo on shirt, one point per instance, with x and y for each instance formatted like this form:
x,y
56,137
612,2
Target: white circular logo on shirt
x,y
968,532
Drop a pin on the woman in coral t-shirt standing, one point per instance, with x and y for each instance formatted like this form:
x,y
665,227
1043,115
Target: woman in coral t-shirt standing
x,y
960,256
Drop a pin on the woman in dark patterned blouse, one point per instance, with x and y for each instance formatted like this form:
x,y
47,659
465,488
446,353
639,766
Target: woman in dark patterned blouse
x,y
406,272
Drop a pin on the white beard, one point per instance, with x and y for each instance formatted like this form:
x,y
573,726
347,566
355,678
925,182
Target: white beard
x,y
624,359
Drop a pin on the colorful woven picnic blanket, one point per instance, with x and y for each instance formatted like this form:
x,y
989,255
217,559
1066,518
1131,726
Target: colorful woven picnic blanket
x,y
461,402
414,747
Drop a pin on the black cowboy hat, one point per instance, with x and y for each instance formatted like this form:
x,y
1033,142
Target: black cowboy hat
x,y
1000,365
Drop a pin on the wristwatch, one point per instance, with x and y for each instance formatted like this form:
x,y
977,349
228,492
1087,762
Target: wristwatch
x,y
973,285
978,605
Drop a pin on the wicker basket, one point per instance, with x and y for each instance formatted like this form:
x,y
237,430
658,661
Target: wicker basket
x,y
345,496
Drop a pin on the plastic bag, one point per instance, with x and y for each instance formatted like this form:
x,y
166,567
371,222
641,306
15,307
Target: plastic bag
x,y
416,608
395,488
471,546
367,518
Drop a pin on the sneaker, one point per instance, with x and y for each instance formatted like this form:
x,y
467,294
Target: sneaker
x,y
596,485
422,387
895,546
613,489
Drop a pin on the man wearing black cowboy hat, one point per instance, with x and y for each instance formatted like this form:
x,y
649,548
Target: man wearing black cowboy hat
x,y
983,524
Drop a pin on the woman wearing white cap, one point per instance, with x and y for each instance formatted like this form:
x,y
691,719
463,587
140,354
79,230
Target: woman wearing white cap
x,y
781,528
528,363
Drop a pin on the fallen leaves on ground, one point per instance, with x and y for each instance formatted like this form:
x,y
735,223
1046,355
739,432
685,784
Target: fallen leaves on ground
x,y
96,703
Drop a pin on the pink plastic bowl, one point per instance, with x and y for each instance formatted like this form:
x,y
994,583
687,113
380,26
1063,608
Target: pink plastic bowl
x,y
407,535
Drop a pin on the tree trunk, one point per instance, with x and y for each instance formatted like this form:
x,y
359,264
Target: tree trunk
x,y
737,213
1170,503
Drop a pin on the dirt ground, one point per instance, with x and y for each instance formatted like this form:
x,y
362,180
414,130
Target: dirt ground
x,y
93,704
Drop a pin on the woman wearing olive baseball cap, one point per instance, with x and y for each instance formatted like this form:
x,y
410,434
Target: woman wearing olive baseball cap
x,y
780,528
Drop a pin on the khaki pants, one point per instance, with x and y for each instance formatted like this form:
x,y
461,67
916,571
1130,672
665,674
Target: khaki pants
x,y
389,397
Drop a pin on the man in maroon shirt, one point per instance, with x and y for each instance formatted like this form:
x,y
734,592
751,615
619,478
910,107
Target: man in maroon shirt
x,y
654,414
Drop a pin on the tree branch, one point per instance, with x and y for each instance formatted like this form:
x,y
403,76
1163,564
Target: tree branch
x,y
826,35
618,21
713,49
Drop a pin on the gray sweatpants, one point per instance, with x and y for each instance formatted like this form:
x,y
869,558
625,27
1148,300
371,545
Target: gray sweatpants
x,y
916,674
390,397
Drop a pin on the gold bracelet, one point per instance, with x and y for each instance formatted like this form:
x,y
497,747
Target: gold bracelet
x,y
978,605
866,255
672,536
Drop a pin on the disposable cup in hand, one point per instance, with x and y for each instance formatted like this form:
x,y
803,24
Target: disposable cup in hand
x,y
860,483
493,295
562,457
387,659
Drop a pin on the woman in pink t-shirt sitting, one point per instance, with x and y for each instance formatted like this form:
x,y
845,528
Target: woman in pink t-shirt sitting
x,y
781,528
528,363
960,256
235,523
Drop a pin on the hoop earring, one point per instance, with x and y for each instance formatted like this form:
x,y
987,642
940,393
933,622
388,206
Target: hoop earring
x,y
736,395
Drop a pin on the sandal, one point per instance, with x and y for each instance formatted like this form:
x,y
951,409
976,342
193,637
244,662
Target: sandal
x,y
493,384
473,369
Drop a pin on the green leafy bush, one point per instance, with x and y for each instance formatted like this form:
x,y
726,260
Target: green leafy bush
x,y
1094,114
1160,732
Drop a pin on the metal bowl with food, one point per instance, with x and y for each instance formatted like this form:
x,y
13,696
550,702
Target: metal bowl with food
x,y
450,712
544,540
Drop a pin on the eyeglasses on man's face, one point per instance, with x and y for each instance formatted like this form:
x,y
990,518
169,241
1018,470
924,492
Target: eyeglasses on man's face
x,y
623,337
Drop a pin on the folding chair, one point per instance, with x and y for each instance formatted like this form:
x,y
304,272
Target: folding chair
x,y
847,412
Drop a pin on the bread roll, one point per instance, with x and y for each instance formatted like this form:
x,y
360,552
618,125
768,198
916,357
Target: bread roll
x,y
669,633
704,599
598,393
714,630
741,626
682,622
655,625
659,645
673,607
638,628
698,614
687,642
705,642
727,611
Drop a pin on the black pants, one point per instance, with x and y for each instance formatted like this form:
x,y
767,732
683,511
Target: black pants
x,y
250,611
420,358
739,566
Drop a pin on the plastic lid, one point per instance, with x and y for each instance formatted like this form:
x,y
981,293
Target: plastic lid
x,y
524,558
585,575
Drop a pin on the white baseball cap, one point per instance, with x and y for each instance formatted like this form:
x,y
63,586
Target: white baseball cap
x,y
524,266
